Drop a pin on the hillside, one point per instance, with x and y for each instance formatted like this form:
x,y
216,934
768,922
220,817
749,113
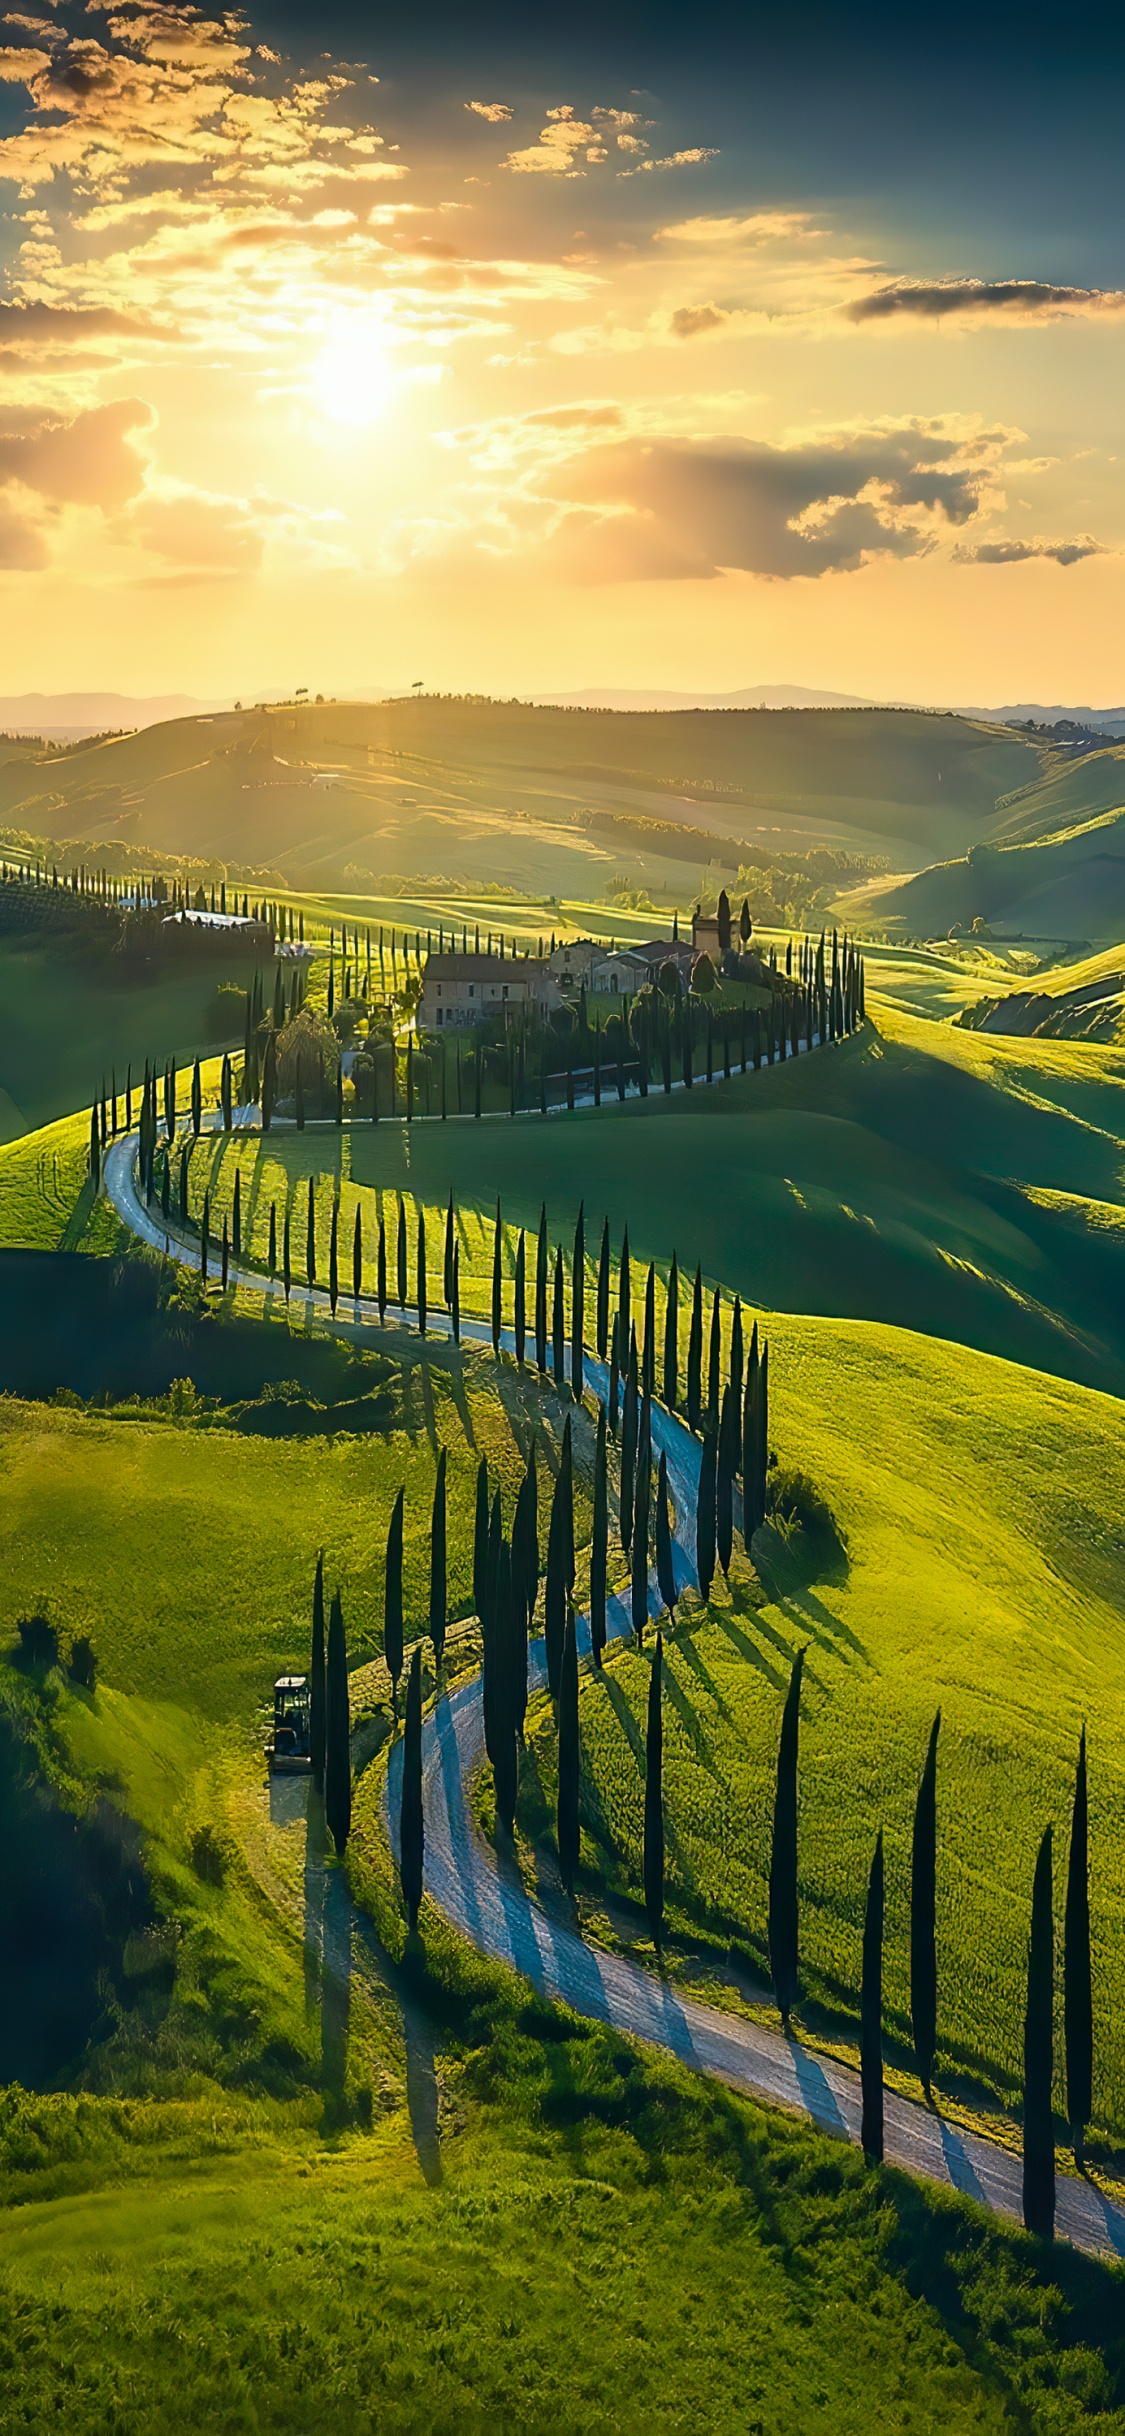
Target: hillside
x,y
479,790
1068,885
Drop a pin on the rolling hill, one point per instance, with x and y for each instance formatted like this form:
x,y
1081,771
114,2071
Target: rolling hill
x,y
1065,885
479,790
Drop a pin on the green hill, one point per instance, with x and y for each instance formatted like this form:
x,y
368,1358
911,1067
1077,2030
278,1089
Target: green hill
x,y
475,789
1068,885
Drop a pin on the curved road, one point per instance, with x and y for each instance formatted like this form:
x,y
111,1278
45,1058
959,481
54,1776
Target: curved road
x,y
481,1894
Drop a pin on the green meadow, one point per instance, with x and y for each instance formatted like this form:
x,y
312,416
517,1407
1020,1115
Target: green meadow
x,y
64,1028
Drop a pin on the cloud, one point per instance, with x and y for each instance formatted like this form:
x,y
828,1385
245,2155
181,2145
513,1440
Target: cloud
x,y
1012,300
694,321
37,324
196,531
1014,553
727,229
567,144
689,159
494,112
87,461
23,545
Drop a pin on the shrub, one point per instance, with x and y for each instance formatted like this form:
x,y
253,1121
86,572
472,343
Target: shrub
x,y
226,1015
83,1662
795,1505
39,1641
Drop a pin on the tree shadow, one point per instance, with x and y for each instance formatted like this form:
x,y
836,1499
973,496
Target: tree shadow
x,y
691,1656
336,1995
312,1941
690,1721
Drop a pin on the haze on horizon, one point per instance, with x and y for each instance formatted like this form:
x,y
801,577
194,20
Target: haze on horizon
x,y
523,363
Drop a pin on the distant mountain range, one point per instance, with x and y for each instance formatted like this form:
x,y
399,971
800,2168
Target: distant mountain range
x,y
63,717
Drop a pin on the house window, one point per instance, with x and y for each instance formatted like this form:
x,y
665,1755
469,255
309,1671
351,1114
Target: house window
x,y
613,981
439,989
472,989
505,989
439,1014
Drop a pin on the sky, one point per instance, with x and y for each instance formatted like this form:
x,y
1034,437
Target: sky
x,y
644,347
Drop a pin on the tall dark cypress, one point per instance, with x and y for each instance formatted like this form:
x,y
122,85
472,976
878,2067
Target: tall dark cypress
x,y
629,1425
310,1234
665,1567
412,1831
455,1300
381,1270
392,1597
497,1281
783,1913
447,1257
519,1298
654,1799
705,1501
421,1271
196,1100
923,1917
1078,2014
316,1675
558,1324
334,1258
614,1376
602,1338
695,1355
672,1338
541,1294
599,1542
715,1362
337,1731
567,1814
357,1255
871,2011
648,1362
439,1602
1039,2055
578,1307
286,1256
724,1480
480,1539
95,1145
402,1280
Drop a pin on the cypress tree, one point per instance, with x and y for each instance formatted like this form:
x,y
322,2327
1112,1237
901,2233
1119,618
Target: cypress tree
x,y
705,1517
438,1594
558,1324
337,1728
695,1355
638,1544
480,1539
654,1800
421,1270
225,1095
392,1597
287,1265
715,1362
269,1082
455,1306
412,1831
381,1271
629,1425
724,1480
672,1338
447,1262
665,1567
923,1917
871,2011
521,1567
334,1258
310,1235
196,1100
648,1367
783,1914
1039,2056
400,1251
541,1295
316,1676
614,1378
567,1815
497,1281
1078,2018
599,1542
357,1256
95,1145
519,1299
602,1322
578,1307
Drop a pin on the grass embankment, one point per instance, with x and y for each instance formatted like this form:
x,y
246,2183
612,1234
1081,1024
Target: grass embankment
x,y
65,1027
936,1179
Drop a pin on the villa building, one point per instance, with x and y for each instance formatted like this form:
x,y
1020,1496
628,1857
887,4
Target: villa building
x,y
471,989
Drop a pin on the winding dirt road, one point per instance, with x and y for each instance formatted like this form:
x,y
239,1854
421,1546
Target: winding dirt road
x,y
482,1896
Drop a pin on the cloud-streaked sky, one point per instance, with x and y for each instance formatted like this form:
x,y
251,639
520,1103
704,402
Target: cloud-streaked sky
x,y
668,357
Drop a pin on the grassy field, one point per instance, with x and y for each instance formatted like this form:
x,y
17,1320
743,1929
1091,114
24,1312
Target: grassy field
x,y
934,1178
480,791
985,1575
64,1029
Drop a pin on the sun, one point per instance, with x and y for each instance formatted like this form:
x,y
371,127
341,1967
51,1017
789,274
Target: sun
x,y
351,377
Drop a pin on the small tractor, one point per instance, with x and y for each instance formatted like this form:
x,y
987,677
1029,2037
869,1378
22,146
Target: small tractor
x,y
290,1752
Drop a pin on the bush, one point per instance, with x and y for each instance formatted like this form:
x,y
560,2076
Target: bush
x,y
39,1641
83,1663
795,1506
225,1018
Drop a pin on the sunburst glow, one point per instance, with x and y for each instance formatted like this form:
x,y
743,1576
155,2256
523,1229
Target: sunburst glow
x,y
351,377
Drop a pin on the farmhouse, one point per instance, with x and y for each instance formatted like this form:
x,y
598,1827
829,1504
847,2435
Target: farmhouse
x,y
470,989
